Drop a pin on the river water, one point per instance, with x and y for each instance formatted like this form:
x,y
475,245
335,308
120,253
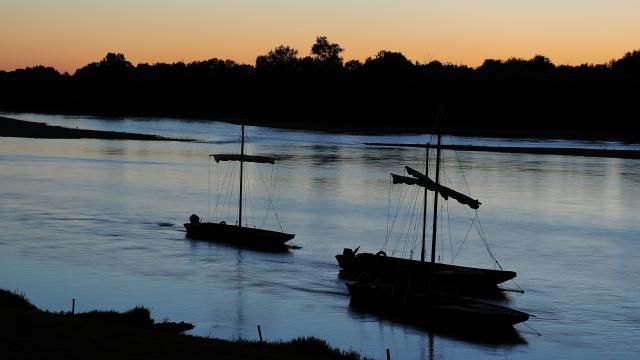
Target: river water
x,y
101,221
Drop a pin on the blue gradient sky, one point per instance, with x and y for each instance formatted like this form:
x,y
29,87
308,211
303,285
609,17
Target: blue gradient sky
x,y
67,34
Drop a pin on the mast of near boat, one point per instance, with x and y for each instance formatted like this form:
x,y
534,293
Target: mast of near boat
x,y
435,201
243,158
241,171
422,180
424,205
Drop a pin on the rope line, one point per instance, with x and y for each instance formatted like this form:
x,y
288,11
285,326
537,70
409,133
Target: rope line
x,y
386,238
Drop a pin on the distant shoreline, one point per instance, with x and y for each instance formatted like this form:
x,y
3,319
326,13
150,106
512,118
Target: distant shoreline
x,y
28,129
35,129
618,154
360,128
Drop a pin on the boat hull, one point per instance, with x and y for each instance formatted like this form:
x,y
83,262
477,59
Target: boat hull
x,y
423,275
437,310
239,236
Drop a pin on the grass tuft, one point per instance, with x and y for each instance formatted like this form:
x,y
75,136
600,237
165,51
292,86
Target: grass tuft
x,y
15,300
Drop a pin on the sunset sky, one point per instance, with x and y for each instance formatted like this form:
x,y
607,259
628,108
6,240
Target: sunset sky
x,y
67,34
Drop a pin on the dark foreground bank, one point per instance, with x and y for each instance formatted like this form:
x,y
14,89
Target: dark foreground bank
x,y
29,129
29,333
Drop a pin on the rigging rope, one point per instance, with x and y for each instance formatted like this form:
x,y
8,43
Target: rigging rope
x,y
402,194
411,212
486,244
440,255
450,239
411,221
535,332
270,194
273,193
266,215
249,195
478,224
209,158
386,238
229,191
402,223
269,190
465,237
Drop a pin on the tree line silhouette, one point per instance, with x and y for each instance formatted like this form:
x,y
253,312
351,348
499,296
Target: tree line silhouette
x,y
514,97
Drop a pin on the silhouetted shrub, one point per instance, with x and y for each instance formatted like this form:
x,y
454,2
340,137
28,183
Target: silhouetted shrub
x,y
137,317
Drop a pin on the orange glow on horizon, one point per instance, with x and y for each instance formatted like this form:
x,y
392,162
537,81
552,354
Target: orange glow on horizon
x,y
69,34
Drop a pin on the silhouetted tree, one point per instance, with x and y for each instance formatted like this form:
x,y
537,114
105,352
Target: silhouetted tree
x,y
325,52
115,61
630,61
389,60
281,57
509,97
541,63
111,64
353,66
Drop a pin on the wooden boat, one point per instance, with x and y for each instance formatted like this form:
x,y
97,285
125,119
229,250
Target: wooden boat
x,y
446,277
434,309
237,234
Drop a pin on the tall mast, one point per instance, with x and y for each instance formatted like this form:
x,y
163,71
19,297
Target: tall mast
x,y
241,169
435,200
424,207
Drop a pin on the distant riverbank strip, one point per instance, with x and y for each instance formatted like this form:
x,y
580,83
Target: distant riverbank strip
x,y
27,332
619,154
29,129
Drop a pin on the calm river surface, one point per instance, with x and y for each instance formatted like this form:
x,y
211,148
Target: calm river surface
x,y
101,221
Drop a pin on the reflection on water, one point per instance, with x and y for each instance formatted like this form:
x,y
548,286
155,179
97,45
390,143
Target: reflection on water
x,y
101,221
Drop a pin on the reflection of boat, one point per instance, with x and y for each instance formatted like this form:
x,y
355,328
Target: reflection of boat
x,y
238,234
426,275
501,336
438,310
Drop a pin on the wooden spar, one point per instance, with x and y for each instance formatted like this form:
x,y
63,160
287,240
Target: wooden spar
x,y
241,169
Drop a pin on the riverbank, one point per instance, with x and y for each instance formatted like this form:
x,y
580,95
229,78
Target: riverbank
x,y
30,333
28,129
355,127
619,154
419,127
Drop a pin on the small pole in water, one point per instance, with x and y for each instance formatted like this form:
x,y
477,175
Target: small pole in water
x,y
388,354
73,306
260,333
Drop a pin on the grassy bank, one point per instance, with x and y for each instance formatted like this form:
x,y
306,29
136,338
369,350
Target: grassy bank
x,y
29,129
29,333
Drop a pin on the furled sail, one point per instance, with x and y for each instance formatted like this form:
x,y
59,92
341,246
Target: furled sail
x,y
422,180
245,158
